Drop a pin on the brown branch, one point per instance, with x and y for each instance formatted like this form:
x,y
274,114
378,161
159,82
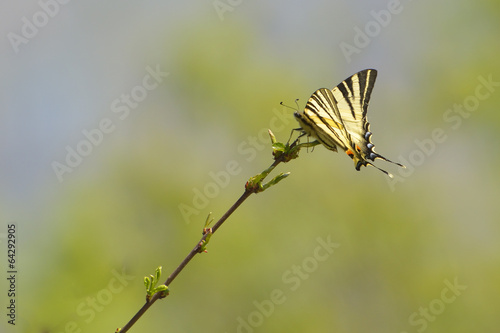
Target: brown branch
x,y
186,260
253,186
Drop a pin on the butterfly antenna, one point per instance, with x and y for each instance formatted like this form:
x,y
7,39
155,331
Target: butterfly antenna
x,y
300,130
297,103
282,104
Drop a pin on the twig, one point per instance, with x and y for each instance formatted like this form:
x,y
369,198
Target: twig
x,y
282,153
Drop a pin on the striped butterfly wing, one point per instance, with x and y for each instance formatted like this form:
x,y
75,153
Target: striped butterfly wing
x,y
337,117
352,97
321,119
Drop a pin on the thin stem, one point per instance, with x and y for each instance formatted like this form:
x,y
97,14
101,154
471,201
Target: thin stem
x,y
198,246
186,260
224,217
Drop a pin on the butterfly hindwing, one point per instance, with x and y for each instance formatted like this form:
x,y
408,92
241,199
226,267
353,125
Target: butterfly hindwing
x,y
352,97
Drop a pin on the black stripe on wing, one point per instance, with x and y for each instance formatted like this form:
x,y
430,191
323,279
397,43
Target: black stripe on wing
x,y
326,103
347,89
356,91
366,81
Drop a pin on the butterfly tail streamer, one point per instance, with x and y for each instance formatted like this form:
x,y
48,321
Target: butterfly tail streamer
x,y
385,159
376,167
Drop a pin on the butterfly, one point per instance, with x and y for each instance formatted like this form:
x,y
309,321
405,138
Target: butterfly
x,y
337,118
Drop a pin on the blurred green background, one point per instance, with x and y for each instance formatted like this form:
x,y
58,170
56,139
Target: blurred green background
x,y
419,253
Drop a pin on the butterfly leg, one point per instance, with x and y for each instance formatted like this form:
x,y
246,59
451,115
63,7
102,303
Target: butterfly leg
x,y
302,133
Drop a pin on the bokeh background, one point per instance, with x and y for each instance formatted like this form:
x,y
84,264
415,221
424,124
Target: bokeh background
x,y
419,253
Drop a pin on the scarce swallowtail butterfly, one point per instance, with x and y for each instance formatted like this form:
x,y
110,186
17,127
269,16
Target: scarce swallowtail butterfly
x,y
337,118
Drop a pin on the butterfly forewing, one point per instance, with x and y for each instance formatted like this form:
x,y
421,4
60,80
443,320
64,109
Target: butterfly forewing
x,y
322,112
